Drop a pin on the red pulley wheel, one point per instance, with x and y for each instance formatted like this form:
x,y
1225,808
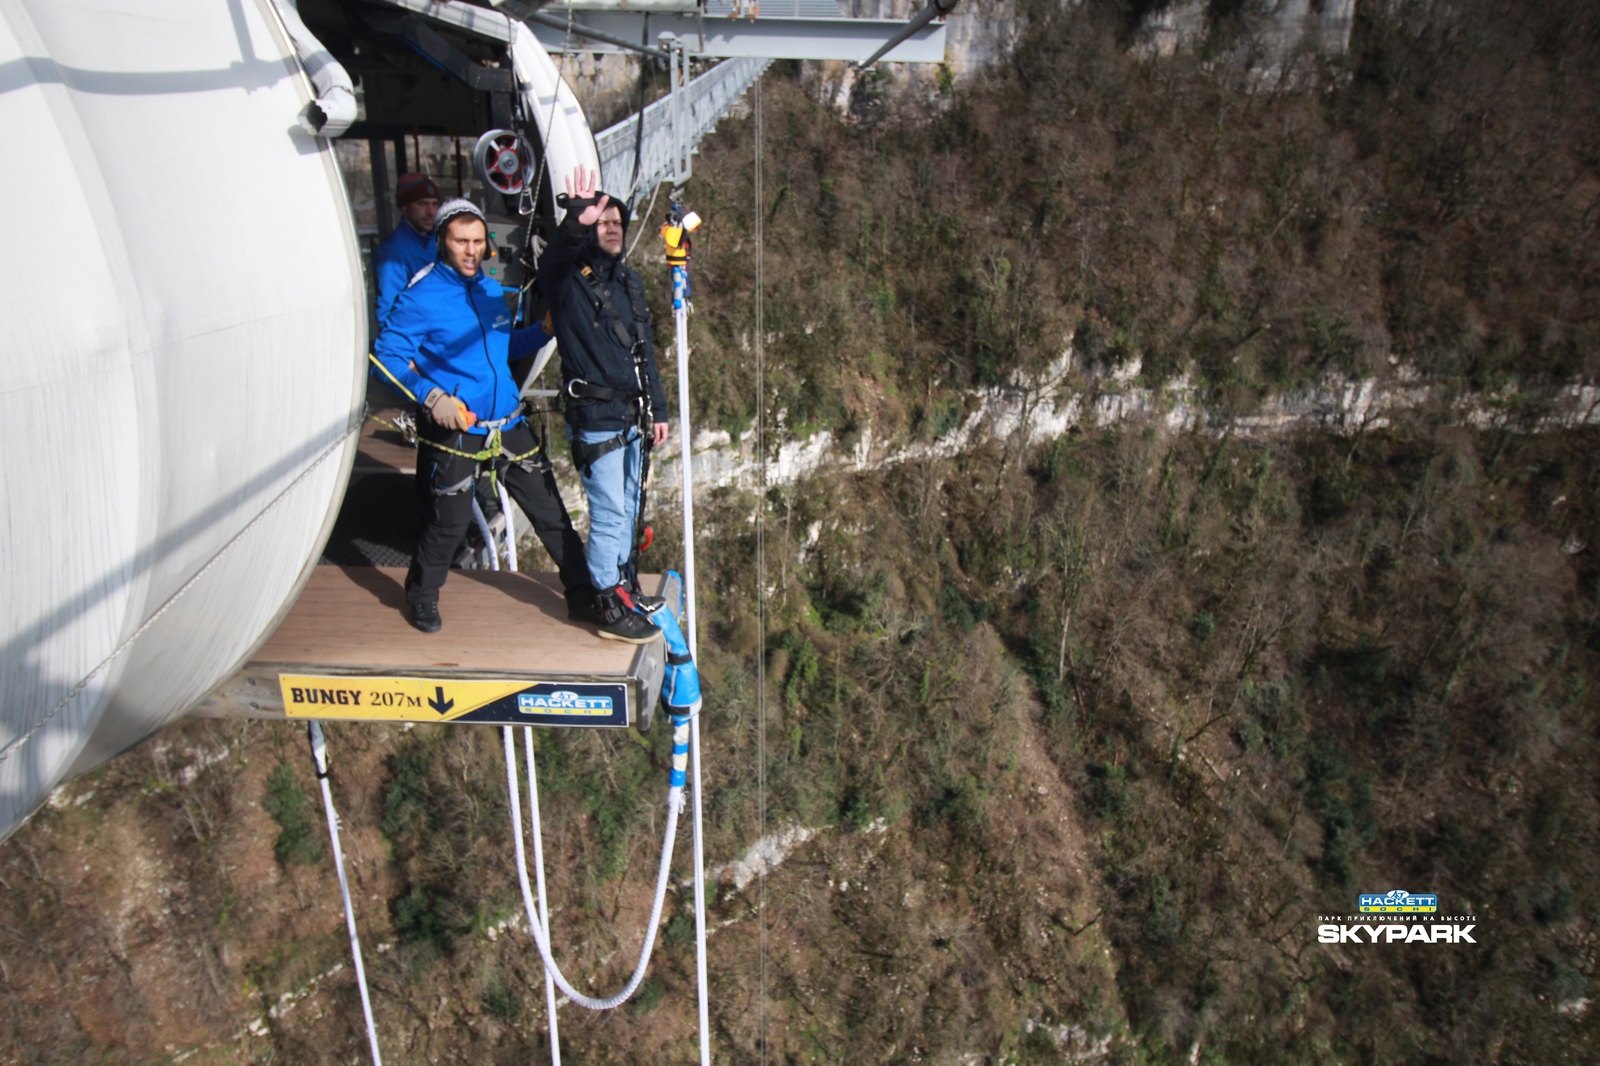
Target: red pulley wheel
x,y
503,161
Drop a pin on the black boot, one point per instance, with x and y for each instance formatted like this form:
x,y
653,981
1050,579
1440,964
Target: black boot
x,y
581,606
618,622
425,616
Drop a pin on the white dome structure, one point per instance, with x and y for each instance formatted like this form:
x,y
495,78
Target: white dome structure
x,y
181,365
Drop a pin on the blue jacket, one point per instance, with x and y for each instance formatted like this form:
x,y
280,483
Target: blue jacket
x,y
396,262
454,333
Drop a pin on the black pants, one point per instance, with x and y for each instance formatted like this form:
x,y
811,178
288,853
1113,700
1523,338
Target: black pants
x,y
444,491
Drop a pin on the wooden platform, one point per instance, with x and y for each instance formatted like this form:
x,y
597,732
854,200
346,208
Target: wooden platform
x,y
382,450
347,649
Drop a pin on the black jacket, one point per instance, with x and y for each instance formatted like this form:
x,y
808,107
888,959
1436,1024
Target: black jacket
x,y
590,350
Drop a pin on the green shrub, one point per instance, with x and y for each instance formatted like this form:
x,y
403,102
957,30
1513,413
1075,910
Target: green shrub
x,y
501,1001
286,802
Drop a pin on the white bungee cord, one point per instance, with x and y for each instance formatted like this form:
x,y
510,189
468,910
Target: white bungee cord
x,y
319,759
511,525
484,531
538,873
540,936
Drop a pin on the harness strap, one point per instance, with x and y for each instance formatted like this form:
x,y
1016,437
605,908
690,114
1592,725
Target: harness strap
x,y
602,293
493,448
584,456
578,389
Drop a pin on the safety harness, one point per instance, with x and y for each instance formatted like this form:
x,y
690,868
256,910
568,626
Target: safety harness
x,y
629,332
493,447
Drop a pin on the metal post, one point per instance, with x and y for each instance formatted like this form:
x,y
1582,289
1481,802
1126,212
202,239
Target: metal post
x,y
678,137
380,187
680,313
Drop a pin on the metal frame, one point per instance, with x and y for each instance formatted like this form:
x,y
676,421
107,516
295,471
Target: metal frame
x,y
852,40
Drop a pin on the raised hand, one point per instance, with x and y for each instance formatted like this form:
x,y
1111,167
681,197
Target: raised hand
x,y
582,184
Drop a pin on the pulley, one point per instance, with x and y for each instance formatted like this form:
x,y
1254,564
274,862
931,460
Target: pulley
x,y
504,161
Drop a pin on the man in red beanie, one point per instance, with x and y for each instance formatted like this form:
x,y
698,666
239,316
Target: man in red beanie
x,y
410,247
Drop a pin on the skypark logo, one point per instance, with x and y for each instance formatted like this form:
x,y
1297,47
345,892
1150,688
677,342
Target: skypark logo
x,y
1409,926
1398,901
1386,933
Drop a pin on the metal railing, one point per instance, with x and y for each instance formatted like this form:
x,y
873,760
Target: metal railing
x,y
668,145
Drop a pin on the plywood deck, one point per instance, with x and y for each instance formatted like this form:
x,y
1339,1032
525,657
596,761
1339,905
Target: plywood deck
x,y
354,620
382,450
355,617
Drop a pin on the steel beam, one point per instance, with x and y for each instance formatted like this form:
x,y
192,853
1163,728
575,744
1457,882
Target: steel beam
x,y
851,40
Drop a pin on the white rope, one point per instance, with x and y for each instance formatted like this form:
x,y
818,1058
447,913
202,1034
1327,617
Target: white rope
x,y
674,805
484,531
319,758
761,570
544,134
538,873
183,588
511,525
642,220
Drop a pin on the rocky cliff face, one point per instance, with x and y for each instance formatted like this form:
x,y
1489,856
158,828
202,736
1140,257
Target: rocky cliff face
x,y
1263,34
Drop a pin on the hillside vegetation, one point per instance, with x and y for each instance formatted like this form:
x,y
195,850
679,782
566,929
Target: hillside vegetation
x,y
1089,732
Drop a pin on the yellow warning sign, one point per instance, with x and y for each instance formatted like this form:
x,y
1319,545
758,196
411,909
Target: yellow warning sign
x,y
390,699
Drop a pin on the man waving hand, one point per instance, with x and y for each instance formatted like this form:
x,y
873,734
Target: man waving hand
x,y
611,390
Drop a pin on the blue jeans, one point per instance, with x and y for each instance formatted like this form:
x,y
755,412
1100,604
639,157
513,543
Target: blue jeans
x,y
612,487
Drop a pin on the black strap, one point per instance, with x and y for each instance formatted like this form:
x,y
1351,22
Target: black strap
x,y
602,292
584,456
578,389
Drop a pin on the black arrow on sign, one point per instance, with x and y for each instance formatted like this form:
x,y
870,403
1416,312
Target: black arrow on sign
x,y
439,703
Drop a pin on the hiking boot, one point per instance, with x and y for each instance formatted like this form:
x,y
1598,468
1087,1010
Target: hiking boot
x,y
425,616
619,622
581,606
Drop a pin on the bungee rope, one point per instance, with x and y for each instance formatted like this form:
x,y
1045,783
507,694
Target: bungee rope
x,y
680,690
319,760
485,532
544,902
535,922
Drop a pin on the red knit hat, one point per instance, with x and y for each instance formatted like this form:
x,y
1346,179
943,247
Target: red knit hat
x,y
414,187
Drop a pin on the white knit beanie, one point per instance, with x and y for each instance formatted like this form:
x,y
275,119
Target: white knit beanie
x,y
453,209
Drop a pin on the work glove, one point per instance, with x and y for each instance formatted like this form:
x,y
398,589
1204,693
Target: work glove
x,y
449,412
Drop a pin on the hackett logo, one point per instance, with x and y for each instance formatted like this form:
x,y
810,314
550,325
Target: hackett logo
x,y
1398,901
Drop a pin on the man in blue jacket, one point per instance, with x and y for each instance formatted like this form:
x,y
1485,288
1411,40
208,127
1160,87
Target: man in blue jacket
x,y
411,246
447,342
611,390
